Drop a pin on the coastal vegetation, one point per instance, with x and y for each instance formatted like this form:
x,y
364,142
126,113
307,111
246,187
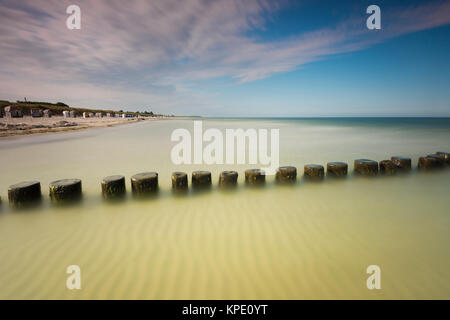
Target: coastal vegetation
x,y
59,107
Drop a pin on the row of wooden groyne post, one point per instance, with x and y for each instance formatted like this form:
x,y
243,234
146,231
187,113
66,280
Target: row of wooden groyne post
x,y
146,184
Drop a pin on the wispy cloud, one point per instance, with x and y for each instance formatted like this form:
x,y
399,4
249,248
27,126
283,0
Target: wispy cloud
x,y
140,52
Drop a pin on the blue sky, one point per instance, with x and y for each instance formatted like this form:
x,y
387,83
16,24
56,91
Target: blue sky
x,y
409,75
230,58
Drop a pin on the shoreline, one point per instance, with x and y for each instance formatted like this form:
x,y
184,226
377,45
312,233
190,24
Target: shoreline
x,y
13,127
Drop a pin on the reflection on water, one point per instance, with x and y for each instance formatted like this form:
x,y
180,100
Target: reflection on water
x,y
307,240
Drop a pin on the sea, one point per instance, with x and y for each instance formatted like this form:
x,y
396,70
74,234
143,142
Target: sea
x,y
309,240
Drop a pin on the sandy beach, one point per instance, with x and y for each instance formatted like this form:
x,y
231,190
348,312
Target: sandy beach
x,y
29,125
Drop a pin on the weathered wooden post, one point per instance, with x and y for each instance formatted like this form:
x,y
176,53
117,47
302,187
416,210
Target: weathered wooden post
x,y
446,156
286,174
255,177
113,187
179,181
201,179
337,169
429,163
388,167
366,167
144,184
24,193
66,190
439,157
228,179
403,163
314,172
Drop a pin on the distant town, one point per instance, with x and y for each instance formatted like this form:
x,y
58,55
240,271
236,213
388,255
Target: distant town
x,y
36,109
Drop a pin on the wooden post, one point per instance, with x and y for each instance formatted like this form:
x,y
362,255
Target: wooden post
x,y
388,167
429,163
366,167
66,190
439,157
337,169
144,184
201,179
24,193
179,181
255,177
228,179
113,187
287,174
403,163
314,172
446,156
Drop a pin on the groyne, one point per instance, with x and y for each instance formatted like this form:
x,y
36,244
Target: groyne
x,y
27,193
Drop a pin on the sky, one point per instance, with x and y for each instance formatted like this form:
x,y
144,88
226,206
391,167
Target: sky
x,y
230,58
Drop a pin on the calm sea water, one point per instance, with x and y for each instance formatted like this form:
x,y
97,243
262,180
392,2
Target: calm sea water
x,y
311,240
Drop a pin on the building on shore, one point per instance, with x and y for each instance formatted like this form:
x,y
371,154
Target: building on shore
x,y
36,113
13,112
